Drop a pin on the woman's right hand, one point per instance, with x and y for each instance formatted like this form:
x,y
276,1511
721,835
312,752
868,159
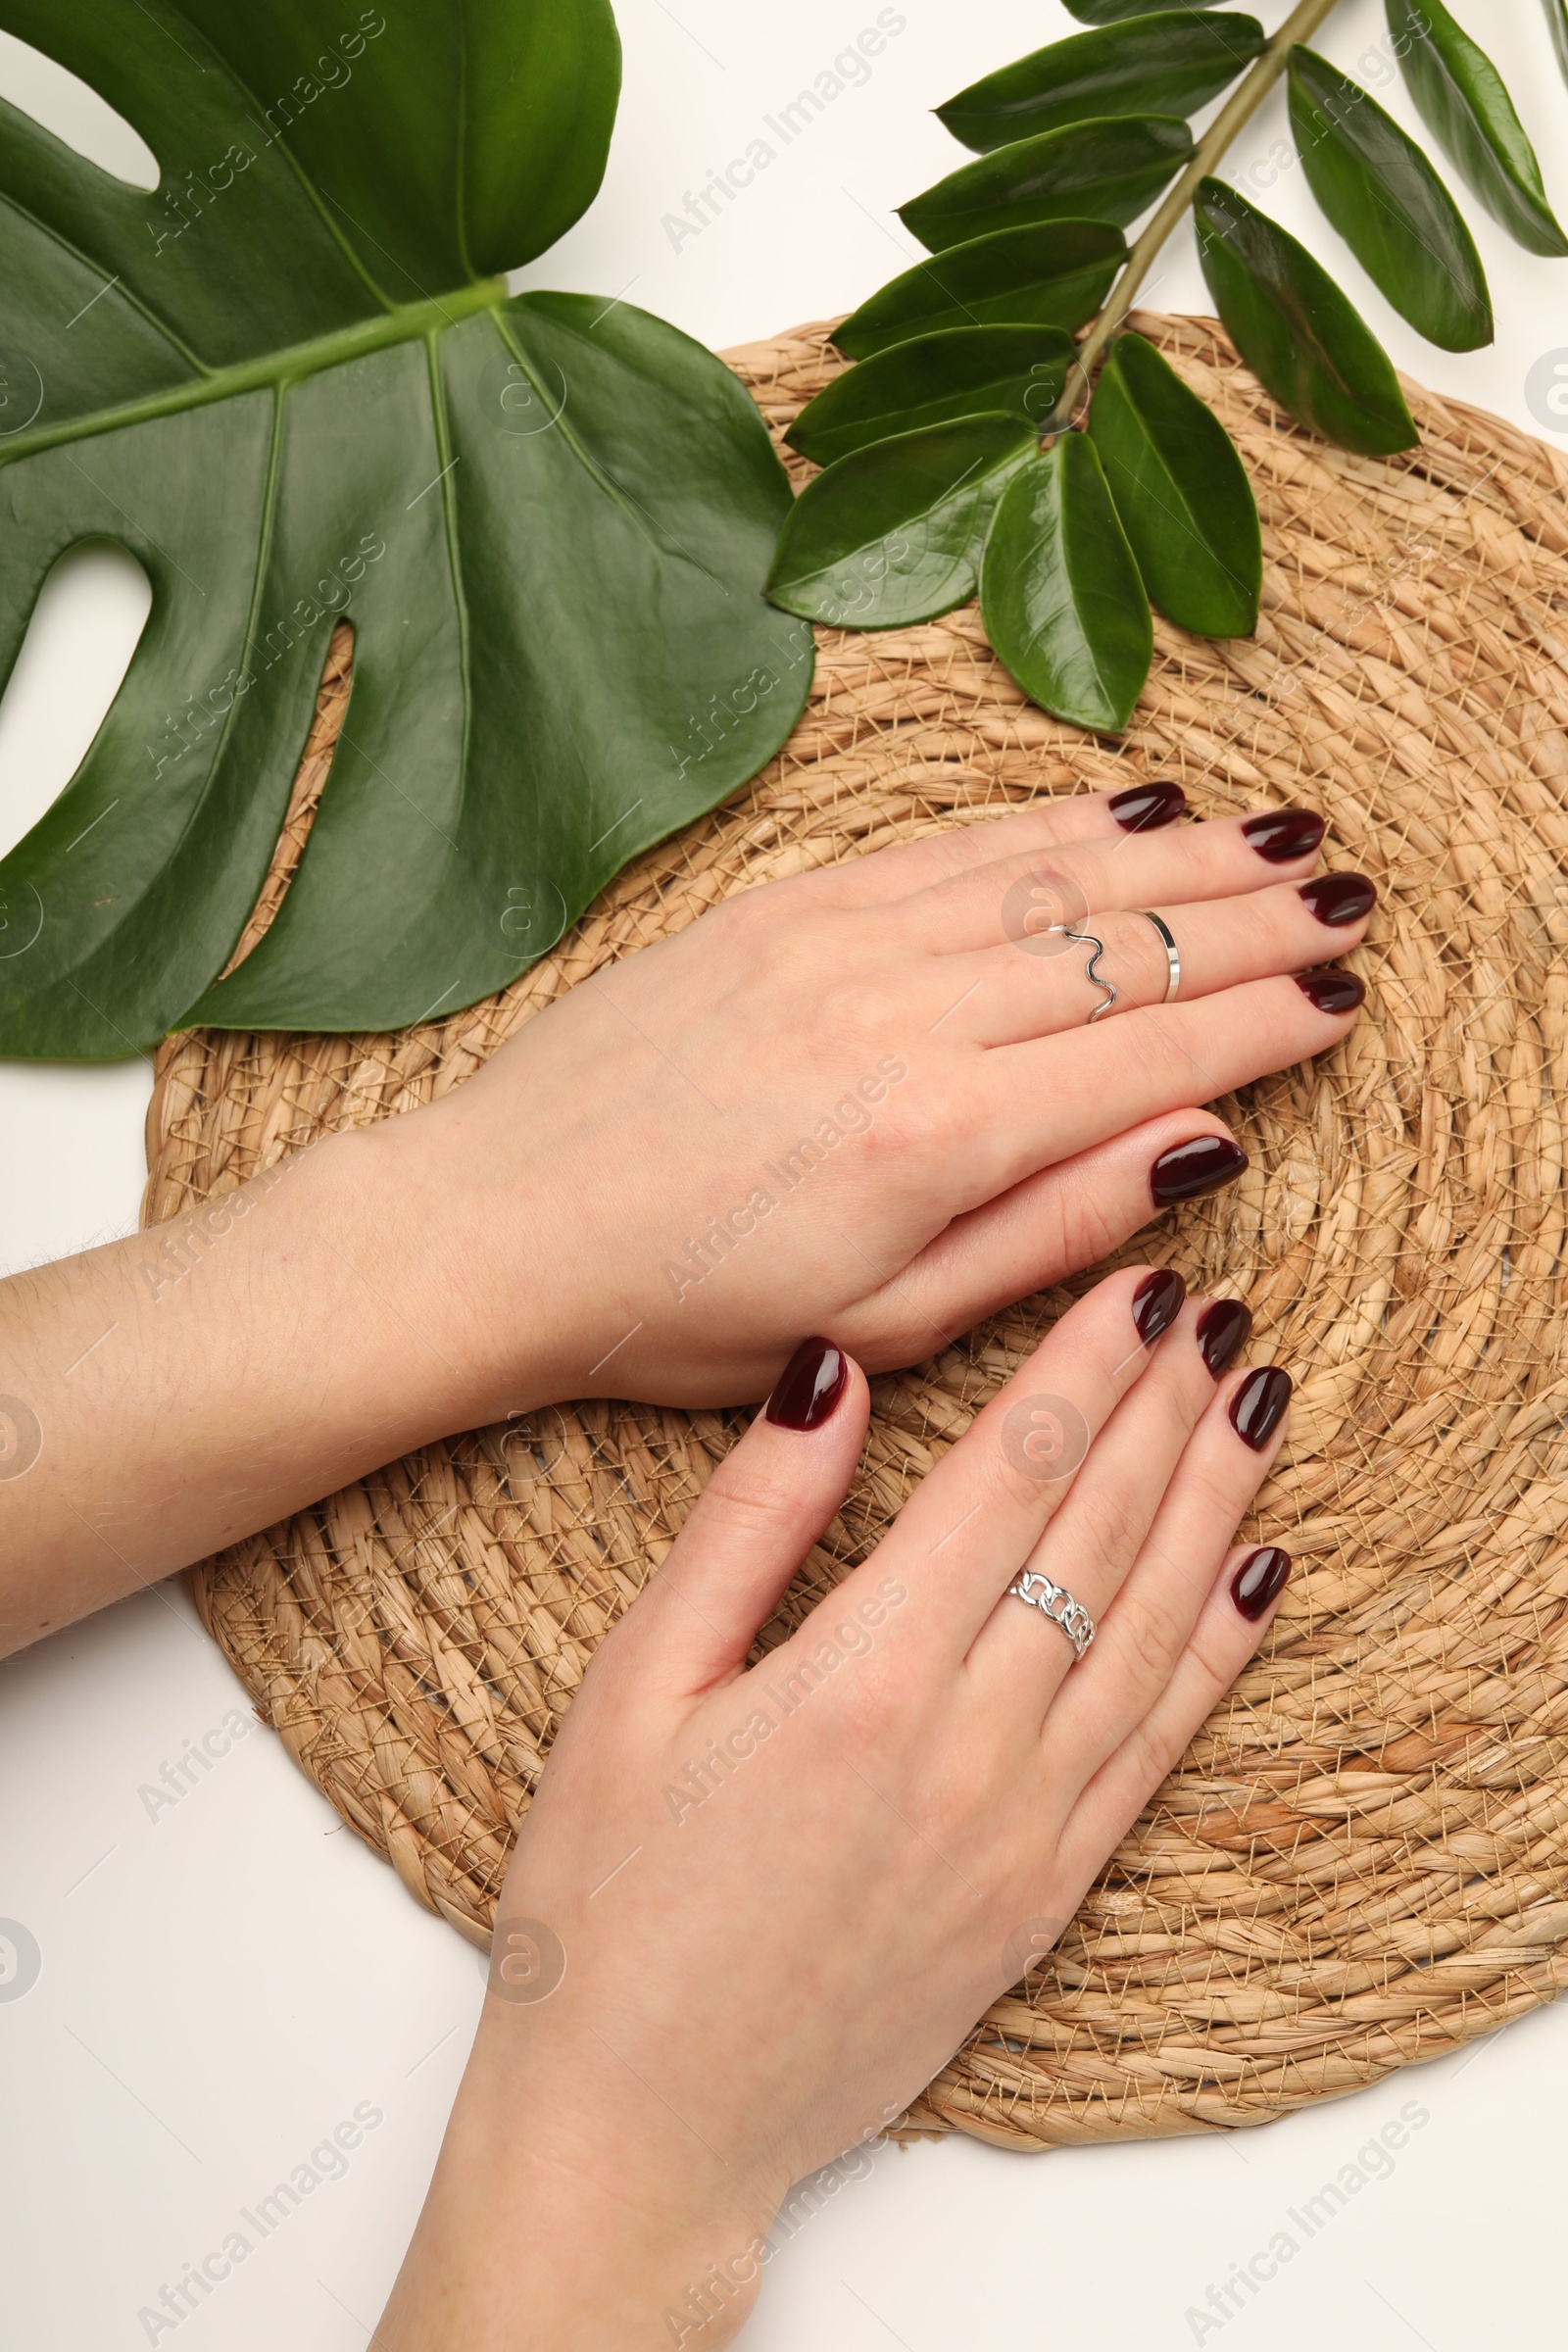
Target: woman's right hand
x,y
869,1101
754,1909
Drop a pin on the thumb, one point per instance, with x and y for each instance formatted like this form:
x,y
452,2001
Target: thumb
x,y
769,1502
1052,1224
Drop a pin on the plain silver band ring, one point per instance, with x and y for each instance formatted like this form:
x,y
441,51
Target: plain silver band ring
x,y
1057,1603
1173,953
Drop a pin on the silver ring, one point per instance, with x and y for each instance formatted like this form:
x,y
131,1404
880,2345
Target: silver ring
x,y
1095,978
1173,953
1057,1603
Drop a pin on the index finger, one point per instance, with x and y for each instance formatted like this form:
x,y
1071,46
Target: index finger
x,y
911,865
1015,896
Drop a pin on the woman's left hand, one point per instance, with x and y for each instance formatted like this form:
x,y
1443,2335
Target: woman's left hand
x,y
869,1101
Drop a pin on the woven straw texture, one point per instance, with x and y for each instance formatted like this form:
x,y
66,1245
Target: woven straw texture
x,y
1360,1862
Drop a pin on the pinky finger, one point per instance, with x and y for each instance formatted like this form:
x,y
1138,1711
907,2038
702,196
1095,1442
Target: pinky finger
x,y
1236,1617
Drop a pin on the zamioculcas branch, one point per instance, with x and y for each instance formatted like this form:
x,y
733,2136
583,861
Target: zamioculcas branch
x,y
975,446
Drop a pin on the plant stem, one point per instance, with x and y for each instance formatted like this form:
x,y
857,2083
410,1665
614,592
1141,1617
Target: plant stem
x,y
407,322
1242,104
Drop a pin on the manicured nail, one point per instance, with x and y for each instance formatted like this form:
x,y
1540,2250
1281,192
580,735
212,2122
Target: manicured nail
x,y
1258,1405
1222,1331
1144,808
1282,835
1157,1303
810,1386
1201,1165
1330,990
1260,1580
1339,899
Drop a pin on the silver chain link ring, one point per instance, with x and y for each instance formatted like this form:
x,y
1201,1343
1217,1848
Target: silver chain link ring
x,y
1057,1603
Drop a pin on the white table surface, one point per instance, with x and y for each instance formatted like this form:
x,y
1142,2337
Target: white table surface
x,y
222,1981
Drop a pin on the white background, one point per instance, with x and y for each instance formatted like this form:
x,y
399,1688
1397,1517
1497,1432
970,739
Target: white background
x,y
221,1985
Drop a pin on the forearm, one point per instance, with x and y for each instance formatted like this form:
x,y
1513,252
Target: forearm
x,y
173,1391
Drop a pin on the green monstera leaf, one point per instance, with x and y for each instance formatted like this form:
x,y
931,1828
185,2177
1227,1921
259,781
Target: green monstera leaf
x,y
290,380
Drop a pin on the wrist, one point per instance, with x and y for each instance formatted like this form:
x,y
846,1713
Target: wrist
x,y
484,1265
566,2215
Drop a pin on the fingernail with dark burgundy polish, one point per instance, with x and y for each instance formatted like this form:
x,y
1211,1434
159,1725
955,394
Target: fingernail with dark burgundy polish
x,y
810,1386
1258,1405
1260,1580
1338,899
1331,991
1144,808
1201,1165
1222,1331
1157,1303
1282,835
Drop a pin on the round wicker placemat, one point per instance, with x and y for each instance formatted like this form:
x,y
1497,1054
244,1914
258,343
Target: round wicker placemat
x,y
1361,1860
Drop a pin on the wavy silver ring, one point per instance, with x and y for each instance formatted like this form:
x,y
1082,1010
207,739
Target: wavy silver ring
x,y
1097,979
1057,1603
1173,953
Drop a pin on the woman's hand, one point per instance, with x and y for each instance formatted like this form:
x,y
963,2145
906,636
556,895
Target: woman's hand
x,y
752,1911
866,1102
869,1101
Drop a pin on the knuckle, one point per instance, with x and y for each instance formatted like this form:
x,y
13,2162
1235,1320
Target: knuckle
x,y
1103,1531
1084,1229
1256,933
1213,1671
1136,955
746,1502
1156,1052
911,1123
1013,1488
896,1332
869,1696
957,850
1212,1495
1150,1635
777,949
1083,864
1148,1754
863,1016
750,915
1263,922
1178,1403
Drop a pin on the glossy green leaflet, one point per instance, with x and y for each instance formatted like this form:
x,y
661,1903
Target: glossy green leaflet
x,y
1135,494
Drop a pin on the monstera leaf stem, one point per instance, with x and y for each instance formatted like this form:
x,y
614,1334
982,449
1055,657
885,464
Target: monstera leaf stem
x,y
403,323
1242,104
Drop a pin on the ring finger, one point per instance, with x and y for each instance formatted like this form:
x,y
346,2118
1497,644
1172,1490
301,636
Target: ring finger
x,y
1005,995
1089,1547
